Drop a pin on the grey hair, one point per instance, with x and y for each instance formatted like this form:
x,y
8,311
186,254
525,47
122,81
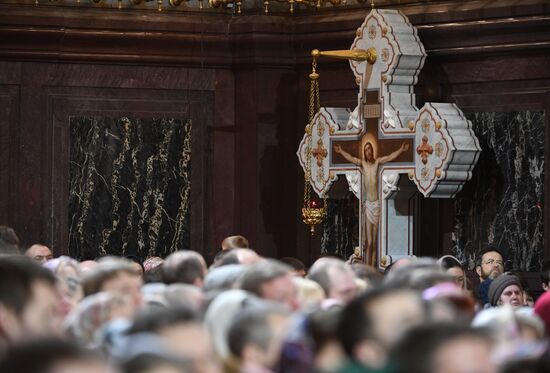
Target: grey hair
x,y
252,327
261,272
320,273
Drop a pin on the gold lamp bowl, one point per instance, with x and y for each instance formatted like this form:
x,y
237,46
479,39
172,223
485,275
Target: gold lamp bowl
x,y
313,216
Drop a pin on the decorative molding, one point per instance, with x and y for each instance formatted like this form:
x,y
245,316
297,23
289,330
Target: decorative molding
x,y
94,35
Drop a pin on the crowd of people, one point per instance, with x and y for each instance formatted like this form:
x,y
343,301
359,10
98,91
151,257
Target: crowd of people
x,y
245,313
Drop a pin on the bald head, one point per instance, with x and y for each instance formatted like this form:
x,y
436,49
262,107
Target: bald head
x,y
247,256
39,253
87,265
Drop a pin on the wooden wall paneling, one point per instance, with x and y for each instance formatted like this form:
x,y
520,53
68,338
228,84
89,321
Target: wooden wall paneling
x,y
224,147
246,156
498,63
50,94
124,102
71,101
99,34
9,139
33,163
201,113
277,110
547,178
265,116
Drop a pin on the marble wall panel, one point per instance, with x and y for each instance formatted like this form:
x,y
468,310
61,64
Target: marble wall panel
x,y
340,230
130,182
503,203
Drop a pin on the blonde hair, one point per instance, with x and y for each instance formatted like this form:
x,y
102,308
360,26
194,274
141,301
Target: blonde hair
x,y
310,293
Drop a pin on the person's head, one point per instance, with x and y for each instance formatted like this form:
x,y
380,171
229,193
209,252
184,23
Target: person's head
x,y
39,253
223,258
87,265
452,266
153,275
256,337
114,275
223,278
542,309
368,152
186,267
336,278
420,275
506,289
372,323
52,356
367,273
444,348
180,330
67,271
545,276
298,268
30,304
184,295
156,363
531,326
323,329
234,242
490,263
447,301
136,263
246,256
152,263
220,314
310,293
85,323
9,242
401,262
272,280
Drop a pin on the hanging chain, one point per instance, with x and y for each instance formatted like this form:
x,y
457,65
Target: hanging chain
x,y
313,108
312,214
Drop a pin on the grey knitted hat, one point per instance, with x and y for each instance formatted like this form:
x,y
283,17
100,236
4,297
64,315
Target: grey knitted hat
x,y
499,284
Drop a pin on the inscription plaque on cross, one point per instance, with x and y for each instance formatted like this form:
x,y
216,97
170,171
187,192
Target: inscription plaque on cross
x,y
386,147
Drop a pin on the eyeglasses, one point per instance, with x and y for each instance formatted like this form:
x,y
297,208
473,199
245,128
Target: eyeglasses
x,y
490,262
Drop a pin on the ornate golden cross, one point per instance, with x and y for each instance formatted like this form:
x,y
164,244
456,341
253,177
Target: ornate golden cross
x,y
319,153
424,150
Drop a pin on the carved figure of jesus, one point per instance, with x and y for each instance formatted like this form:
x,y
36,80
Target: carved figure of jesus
x,y
370,202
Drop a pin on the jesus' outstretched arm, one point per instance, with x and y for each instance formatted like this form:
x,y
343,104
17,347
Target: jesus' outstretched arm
x,y
392,156
350,158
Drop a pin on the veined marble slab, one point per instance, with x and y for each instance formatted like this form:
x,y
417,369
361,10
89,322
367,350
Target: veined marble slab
x,y
503,203
130,183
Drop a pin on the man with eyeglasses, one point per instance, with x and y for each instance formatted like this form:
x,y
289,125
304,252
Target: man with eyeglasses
x,y
490,265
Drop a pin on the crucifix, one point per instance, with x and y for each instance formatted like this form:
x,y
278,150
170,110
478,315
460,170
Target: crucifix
x,y
369,154
387,147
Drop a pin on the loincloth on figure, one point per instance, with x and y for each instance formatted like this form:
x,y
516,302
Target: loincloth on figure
x,y
371,211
